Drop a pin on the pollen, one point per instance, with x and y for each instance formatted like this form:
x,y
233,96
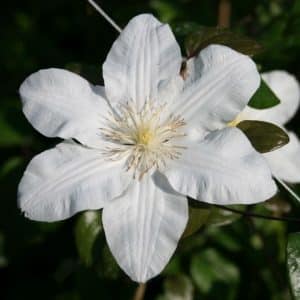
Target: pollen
x,y
147,138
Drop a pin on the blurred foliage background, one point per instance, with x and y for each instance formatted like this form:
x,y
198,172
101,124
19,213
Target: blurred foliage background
x,y
229,258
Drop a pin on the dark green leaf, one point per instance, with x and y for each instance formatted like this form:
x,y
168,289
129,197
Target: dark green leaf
x,y
87,229
107,266
264,97
9,165
206,36
264,136
197,218
293,263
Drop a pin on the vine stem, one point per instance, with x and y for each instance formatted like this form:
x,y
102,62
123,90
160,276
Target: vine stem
x,y
140,292
224,14
255,215
105,15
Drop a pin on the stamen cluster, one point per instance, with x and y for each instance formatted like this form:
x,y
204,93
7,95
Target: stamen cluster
x,y
147,137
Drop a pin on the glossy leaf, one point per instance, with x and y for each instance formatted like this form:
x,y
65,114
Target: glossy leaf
x,y
87,229
206,36
264,136
293,263
264,97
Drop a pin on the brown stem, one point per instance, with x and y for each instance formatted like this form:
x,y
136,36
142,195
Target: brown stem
x,y
224,13
140,292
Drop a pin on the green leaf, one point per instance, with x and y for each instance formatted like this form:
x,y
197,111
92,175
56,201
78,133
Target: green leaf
x,y
293,263
87,229
9,165
209,267
264,136
107,266
206,36
10,136
264,97
197,218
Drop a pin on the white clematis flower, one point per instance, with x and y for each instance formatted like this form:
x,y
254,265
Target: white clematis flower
x,y
141,148
285,161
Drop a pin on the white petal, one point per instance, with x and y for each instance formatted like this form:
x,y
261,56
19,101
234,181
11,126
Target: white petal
x,y
223,168
145,53
59,103
169,89
221,84
67,179
143,227
285,161
287,89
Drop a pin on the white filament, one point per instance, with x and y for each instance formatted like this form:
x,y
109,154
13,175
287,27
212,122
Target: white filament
x,y
288,189
146,137
105,15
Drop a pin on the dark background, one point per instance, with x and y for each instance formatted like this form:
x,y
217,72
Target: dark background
x,y
243,260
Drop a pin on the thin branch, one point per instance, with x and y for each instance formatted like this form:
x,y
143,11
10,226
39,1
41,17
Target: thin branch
x,y
140,292
105,15
224,14
255,215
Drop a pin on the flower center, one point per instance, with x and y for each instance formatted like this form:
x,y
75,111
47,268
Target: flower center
x,y
147,138
144,136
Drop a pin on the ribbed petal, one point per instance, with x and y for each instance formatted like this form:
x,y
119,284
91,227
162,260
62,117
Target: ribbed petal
x,y
220,84
67,179
143,227
145,54
59,103
285,161
287,89
223,168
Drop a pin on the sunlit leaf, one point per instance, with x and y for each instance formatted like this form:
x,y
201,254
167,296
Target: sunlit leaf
x,y
264,136
206,36
166,10
264,97
293,263
209,266
87,229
